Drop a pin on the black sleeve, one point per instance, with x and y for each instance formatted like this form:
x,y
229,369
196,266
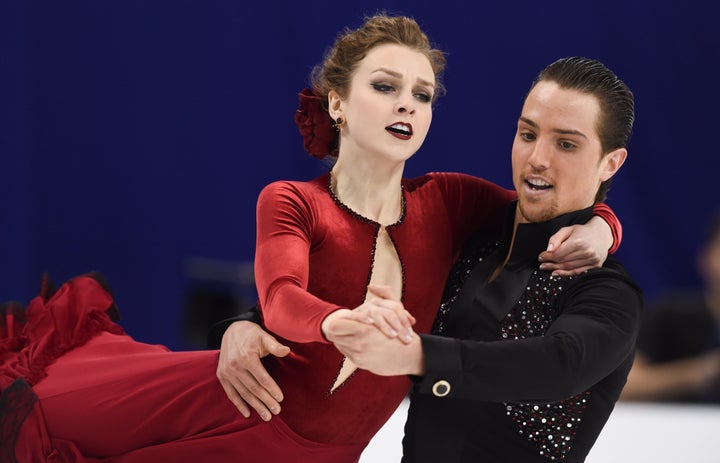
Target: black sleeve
x,y
217,330
594,333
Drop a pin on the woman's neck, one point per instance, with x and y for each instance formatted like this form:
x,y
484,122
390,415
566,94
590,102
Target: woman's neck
x,y
370,190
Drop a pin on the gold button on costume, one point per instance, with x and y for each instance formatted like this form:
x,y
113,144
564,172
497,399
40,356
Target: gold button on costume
x,y
441,388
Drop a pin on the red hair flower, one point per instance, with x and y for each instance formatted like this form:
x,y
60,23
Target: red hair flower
x,y
315,125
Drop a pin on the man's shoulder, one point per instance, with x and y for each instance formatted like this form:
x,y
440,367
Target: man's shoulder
x,y
613,266
613,275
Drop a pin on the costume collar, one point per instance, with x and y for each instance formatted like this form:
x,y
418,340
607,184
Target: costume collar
x,y
532,238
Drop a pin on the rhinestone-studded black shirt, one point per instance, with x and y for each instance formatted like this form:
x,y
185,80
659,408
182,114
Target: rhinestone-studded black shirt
x,y
535,363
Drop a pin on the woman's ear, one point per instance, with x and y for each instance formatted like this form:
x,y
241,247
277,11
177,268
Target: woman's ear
x,y
335,104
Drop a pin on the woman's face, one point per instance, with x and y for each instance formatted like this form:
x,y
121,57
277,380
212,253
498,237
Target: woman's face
x,y
388,109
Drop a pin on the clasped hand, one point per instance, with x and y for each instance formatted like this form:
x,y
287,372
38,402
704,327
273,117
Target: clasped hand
x,y
377,336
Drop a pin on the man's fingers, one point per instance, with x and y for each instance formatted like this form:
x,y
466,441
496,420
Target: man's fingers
x,y
258,382
248,385
242,374
235,398
266,382
257,397
275,348
388,329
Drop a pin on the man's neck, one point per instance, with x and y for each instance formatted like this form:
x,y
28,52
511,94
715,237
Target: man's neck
x,y
524,240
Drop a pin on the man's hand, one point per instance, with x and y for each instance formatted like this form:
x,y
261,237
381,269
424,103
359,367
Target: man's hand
x,y
242,374
369,346
380,309
370,349
575,249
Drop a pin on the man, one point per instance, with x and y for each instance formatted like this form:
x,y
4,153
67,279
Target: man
x,y
523,366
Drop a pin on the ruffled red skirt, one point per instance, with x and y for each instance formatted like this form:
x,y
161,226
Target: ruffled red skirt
x,y
75,388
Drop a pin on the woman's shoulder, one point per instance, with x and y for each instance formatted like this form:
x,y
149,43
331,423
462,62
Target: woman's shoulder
x,y
302,188
447,181
427,180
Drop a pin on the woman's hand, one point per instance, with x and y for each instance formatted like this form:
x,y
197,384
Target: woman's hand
x,y
575,249
382,310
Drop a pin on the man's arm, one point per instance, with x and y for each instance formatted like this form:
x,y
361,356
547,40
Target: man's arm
x,y
217,330
595,333
243,342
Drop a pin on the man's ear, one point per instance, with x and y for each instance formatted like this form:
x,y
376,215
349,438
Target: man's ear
x,y
611,163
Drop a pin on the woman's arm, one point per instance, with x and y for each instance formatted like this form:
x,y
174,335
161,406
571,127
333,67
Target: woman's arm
x,y
475,204
285,227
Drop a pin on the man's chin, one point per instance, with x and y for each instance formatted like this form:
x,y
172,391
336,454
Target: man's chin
x,y
535,213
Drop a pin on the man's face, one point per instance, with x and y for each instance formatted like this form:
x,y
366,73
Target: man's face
x,y
556,155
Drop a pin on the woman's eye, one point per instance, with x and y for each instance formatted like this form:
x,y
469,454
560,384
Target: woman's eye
x,y
385,88
527,136
566,145
424,97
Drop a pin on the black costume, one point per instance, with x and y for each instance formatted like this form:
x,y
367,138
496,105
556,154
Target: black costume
x,y
527,367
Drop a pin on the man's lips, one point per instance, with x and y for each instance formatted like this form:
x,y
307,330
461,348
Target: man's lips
x,y
538,184
534,187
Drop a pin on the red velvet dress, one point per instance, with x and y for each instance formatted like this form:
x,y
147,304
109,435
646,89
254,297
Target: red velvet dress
x,y
76,388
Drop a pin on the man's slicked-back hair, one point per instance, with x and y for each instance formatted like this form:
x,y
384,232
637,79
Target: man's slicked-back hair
x,y
617,103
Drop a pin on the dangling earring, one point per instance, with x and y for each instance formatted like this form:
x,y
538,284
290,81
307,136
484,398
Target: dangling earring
x,y
338,123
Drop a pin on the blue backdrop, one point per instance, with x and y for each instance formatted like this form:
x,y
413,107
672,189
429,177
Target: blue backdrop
x,y
136,135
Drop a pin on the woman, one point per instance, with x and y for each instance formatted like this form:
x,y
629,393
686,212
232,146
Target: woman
x,y
75,388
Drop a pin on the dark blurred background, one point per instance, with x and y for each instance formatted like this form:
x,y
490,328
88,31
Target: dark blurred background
x,y
136,135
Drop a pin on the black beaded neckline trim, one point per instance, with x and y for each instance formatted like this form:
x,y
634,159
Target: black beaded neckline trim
x,y
361,217
364,219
